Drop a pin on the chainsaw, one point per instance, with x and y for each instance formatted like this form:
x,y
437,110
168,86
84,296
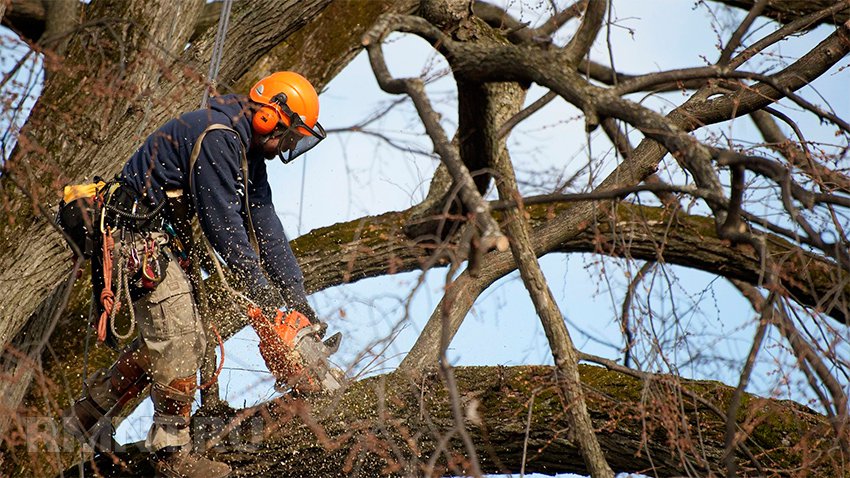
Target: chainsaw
x,y
295,353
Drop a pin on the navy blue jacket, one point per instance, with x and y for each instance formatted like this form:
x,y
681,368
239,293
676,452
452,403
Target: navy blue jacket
x,y
162,162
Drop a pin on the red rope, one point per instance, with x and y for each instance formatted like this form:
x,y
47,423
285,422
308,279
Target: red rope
x,y
214,378
107,297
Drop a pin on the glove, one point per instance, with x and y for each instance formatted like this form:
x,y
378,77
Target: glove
x,y
268,299
296,299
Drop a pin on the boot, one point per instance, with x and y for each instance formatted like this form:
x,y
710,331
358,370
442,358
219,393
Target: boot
x,y
170,433
105,394
182,463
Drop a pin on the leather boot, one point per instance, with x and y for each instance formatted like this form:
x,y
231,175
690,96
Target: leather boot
x,y
105,394
182,463
170,433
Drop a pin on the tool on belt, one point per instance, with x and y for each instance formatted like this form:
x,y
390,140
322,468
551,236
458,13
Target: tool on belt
x,y
88,215
295,353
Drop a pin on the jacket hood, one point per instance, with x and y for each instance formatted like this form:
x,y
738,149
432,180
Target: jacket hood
x,y
236,108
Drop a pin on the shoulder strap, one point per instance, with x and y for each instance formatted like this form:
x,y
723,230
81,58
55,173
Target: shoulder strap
x,y
196,151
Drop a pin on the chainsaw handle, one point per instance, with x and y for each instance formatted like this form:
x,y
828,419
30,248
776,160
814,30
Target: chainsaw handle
x,y
255,312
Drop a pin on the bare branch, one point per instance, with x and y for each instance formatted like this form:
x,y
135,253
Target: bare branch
x,y
583,39
825,177
506,128
735,40
804,353
491,235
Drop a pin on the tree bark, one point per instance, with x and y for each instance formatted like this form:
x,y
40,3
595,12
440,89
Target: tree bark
x,y
785,11
393,426
107,131
29,18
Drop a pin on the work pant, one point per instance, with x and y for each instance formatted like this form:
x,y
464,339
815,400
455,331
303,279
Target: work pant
x,y
170,348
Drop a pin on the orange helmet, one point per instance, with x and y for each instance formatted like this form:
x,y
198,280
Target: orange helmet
x,y
290,107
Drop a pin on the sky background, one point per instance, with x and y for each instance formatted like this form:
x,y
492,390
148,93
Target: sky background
x,y
351,175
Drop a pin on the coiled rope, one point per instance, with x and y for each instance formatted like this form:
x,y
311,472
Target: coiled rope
x,y
107,297
124,283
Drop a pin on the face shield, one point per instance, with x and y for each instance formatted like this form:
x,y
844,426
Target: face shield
x,y
296,138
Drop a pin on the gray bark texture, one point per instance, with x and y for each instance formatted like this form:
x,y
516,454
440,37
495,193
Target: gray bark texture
x,y
396,425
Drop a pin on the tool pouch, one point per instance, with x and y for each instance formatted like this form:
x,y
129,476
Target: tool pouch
x,y
125,210
78,215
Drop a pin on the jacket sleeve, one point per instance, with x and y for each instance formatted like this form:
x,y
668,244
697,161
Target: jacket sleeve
x,y
219,199
276,255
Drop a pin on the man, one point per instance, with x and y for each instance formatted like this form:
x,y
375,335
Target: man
x,y
212,162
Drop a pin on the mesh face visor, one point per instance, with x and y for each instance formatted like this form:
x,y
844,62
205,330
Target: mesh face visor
x,y
297,138
294,143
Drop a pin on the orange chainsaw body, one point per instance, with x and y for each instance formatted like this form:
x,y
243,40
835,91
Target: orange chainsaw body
x,y
278,347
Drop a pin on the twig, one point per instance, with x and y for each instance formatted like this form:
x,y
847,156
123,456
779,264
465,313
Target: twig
x,y
527,433
735,40
626,308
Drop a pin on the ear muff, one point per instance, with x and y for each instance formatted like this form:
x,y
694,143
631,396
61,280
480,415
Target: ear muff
x,y
265,120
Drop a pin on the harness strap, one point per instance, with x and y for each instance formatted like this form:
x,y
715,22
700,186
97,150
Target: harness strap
x,y
196,151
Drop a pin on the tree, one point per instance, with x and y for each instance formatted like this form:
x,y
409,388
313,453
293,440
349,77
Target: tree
x,y
792,262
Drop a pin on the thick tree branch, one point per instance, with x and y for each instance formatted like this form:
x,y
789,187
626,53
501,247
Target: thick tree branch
x,y
354,433
785,11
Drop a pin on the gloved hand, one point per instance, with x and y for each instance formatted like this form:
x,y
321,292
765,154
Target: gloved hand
x,y
268,299
296,299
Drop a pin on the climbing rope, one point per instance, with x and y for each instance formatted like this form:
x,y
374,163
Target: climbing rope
x,y
124,283
218,51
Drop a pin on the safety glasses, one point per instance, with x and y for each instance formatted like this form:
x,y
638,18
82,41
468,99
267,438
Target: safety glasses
x,y
296,138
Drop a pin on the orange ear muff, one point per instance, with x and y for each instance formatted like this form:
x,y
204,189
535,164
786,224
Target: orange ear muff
x,y
265,120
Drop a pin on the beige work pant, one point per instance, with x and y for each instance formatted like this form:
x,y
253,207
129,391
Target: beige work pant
x,y
172,336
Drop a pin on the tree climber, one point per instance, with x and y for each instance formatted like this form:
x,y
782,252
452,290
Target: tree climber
x,y
210,162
